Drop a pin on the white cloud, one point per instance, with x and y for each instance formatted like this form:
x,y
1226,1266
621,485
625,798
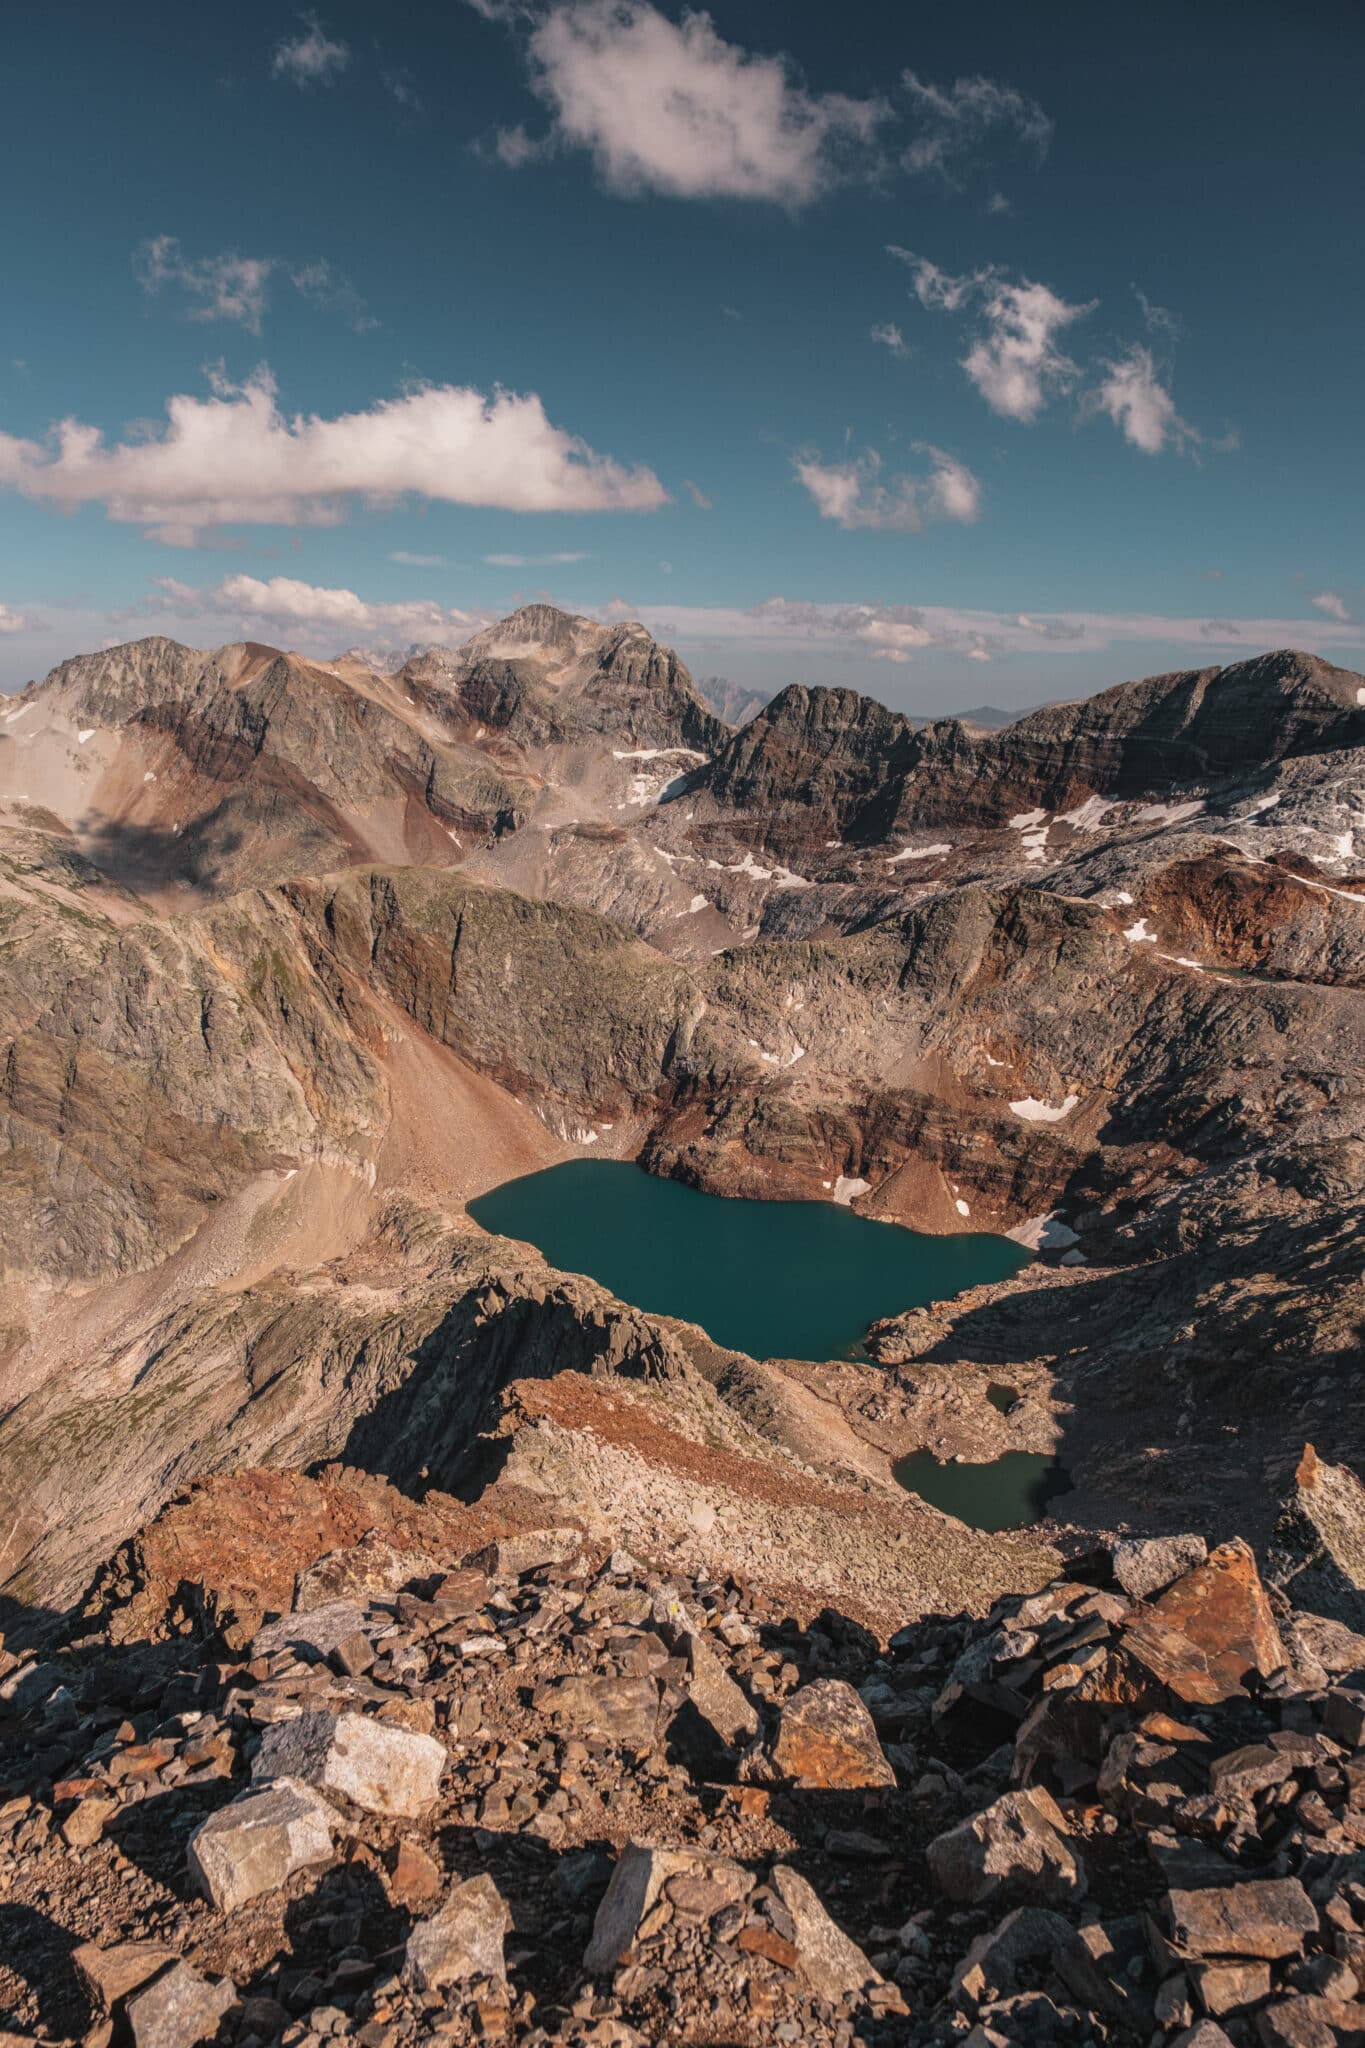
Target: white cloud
x,y
1132,394
936,289
1159,319
407,561
235,458
1332,605
955,124
310,58
223,287
889,335
853,494
671,107
1016,365
283,604
233,287
697,495
532,561
14,622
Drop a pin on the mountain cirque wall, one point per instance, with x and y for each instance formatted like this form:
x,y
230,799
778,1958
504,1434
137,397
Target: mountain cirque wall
x,y
240,1075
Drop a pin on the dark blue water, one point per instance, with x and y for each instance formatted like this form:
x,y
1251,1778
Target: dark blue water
x,y
775,1279
1009,1493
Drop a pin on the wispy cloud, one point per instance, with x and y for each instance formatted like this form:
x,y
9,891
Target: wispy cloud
x,y
671,107
311,57
956,124
234,458
889,335
854,495
232,287
1018,364
697,495
1135,399
222,287
534,561
408,561
284,604
1331,604
14,622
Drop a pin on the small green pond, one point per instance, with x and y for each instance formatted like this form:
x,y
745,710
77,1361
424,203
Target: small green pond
x,y
775,1279
1011,1492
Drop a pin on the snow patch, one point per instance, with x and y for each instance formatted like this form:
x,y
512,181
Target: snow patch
x,y
846,1188
783,877
1086,816
149,777
1360,696
1138,934
1167,814
990,1062
961,1207
655,754
698,903
1035,1112
22,712
1026,820
88,734
917,853
1044,1233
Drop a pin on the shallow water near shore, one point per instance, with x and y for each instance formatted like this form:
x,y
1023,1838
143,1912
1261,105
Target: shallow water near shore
x,y
774,1279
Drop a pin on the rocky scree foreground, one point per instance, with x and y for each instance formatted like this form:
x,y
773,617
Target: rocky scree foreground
x,y
545,1794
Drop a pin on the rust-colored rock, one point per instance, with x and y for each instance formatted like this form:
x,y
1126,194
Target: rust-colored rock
x,y
826,1739
1208,1633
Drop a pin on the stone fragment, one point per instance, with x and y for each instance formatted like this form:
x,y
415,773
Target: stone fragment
x,y
832,1965
511,1557
461,1941
1321,1649
1014,1846
376,1766
257,1843
1309,2022
636,1884
1265,1917
312,1635
365,1570
1229,1986
1203,2034
989,1970
624,1710
1209,1632
108,1975
826,1740
1244,1772
87,1820
1144,1565
414,1876
179,2009
1317,1554
715,1695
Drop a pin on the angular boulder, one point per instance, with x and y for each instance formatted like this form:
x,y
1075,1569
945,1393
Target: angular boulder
x,y
257,1843
1265,1917
826,1740
1144,1565
1317,1554
1207,1634
637,1883
1014,1847
624,1710
715,1695
109,1975
462,1941
832,1965
179,2009
378,1767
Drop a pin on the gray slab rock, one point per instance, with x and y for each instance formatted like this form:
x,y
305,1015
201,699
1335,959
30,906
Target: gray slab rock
x,y
639,1877
715,1695
1014,1847
376,1765
1317,1554
462,1941
257,1843
180,2009
312,1636
832,1965
1144,1565
109,1975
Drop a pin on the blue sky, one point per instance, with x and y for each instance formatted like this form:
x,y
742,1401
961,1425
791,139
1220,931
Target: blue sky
x,y
962,356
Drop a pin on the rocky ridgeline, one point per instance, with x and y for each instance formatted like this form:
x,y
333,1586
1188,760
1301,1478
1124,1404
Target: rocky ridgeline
x,y
551,1795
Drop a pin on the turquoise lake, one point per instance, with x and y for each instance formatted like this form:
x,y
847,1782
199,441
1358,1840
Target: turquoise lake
x,y
775,1279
